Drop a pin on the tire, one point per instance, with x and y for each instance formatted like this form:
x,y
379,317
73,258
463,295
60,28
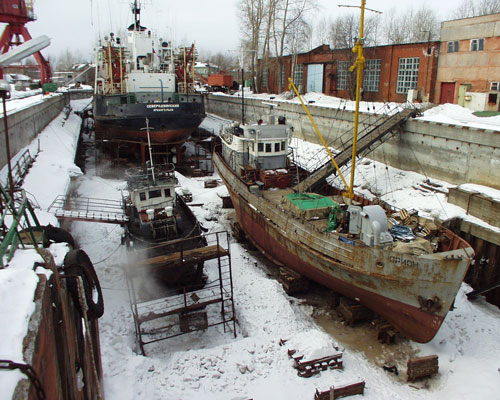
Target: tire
x,y
77,263
58,235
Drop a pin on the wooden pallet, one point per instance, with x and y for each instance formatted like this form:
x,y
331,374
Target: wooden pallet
x,y
308,368
336,392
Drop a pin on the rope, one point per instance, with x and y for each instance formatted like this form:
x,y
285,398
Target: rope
x,y
104,259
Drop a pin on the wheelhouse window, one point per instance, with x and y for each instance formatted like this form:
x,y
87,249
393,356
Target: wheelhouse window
x,y
371,80
407,74
167,192
269,148
282,146
342,73
153,194
260,147
276,147
477,45
142,196
453,46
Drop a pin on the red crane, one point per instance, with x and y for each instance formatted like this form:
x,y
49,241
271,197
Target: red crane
x,y
16,13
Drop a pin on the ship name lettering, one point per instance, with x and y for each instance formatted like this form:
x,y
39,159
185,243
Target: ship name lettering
x,y
163,109
156,106
403,261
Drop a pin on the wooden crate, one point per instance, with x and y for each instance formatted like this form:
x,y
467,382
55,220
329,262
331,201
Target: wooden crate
x,y
422,367
353,313
292,281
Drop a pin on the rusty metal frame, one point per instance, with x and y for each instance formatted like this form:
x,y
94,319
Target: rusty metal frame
x,y
217,292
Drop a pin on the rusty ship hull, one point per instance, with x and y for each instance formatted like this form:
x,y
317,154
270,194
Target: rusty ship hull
x,y
413,293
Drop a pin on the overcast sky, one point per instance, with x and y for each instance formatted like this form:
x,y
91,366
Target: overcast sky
x,y
212,24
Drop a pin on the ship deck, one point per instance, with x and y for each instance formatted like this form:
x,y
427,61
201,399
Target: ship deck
x,y
276,197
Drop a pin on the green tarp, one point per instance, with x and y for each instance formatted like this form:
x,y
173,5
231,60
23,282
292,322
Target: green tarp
x,y
308,201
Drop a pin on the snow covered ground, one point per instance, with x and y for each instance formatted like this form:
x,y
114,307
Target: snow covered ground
x,y
215,365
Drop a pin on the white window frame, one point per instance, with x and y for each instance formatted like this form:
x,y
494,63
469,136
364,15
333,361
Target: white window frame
x,y
371,78
342,75
477,45
495,86
453,46
298,75
407,74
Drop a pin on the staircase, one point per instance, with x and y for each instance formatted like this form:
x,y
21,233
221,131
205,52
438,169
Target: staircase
x,y
368,139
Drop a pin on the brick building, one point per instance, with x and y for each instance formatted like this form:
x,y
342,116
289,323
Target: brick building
x,y
391,71
469,63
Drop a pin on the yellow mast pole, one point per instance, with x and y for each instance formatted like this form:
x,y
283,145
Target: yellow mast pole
x,y
359,64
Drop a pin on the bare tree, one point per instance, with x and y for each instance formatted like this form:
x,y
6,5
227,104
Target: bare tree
x,y
67,59
252,13
344,31
484,7
321,32
475,8
225,62
290,20
425,25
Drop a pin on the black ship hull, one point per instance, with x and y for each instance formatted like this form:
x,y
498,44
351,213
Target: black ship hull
x,y
169,122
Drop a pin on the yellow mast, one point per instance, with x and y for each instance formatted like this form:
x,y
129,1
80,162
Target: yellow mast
x,y
359,64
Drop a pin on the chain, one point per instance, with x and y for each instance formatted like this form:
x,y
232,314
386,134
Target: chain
x,y
29,372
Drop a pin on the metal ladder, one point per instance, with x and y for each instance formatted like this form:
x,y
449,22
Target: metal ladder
x,y
18,223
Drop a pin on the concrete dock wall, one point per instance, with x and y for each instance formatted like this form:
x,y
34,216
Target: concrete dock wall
x,y
24,125
448,152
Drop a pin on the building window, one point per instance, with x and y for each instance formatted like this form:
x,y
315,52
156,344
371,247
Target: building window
x,y
276,147
282,146
282,76
269,148
142,196
407,74
260,147
265,78
167,192
494,86
342,69
453,47
477,45
371,80
153,194
298,75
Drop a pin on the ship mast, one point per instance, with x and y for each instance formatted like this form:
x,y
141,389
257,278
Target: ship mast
x,y
359,64
136,10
